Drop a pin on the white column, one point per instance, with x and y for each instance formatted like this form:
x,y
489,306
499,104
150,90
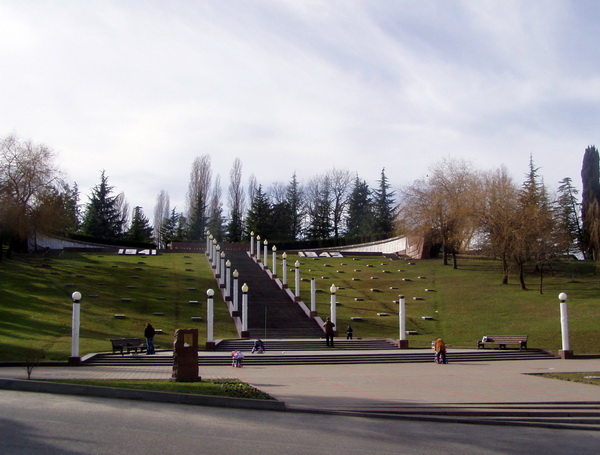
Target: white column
x,y
258,248
313,296
222,269
297,290
266,256
245,309
235,290
76,297
333,316
213,253
284,266
402,314
564,322
210,316
228,278
274,249
218,260
252,244
208,238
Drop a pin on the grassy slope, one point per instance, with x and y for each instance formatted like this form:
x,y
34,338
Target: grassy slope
x,y
466,303
35,303
35,309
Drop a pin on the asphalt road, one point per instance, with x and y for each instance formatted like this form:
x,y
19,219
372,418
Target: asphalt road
x,y
33,423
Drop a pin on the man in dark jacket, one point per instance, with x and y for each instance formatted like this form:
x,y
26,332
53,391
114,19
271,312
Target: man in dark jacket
x,y
149,334
329,332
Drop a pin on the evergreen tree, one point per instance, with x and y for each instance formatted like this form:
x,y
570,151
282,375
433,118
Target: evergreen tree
x,y
102,218
383,207
140,229
259,219
567,208
294,199
359,220
590,200
169,228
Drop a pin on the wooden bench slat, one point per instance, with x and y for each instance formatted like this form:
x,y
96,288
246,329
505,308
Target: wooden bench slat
x,y
130,344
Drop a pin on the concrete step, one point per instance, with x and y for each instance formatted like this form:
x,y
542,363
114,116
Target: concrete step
x,y
334,356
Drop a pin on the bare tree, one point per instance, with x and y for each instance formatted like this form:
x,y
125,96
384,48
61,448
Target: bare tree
x,y
27,172
215,210
340,188
252,188
123,209
162,211
198,197
318,203
497,215
236,196
442,207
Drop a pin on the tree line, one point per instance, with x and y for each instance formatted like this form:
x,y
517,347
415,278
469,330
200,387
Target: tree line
x,y
456,208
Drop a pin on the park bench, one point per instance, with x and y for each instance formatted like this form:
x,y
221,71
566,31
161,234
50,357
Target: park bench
x,y
129,344
503,340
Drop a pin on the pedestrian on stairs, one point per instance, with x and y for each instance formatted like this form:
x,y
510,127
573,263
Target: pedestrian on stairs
x,y
149,333
329,332
349,333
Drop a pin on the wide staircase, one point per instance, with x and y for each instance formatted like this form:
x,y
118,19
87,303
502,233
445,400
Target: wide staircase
x,y
271,313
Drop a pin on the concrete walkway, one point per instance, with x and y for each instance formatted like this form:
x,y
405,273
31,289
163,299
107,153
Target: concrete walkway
x,y
376,387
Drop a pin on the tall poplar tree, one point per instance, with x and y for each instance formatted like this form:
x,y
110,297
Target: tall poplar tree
x,y
383,207
590,201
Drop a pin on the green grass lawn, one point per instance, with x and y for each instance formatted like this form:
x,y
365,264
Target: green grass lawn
x,y
36,307
465,304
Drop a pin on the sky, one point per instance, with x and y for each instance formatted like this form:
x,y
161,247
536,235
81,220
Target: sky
x,y
141,88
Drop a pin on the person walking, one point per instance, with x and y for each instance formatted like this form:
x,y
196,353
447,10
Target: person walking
x,y
149,333
329,332
440,351
349,333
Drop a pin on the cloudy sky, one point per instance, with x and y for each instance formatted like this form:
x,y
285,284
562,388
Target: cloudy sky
x,y
141,88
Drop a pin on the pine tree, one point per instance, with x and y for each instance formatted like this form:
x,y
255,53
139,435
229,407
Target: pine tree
x,y
383,207
102,219
567,208
140,229
359,221
259,216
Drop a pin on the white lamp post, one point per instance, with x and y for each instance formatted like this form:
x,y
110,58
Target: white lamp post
x,y
403,341
222,269
210,316
333,290
236,308
252,244
228,279
274,249
258,248
313,297
566,352
265,256
208,238
297,290
284,272
218,261
75,359
245,311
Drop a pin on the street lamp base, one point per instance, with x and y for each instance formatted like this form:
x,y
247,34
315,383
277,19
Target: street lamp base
x,y
565,354
74,361
211,345
403,344
245,334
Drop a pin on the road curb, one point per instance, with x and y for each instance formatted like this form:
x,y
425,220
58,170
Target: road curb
x,y
141,395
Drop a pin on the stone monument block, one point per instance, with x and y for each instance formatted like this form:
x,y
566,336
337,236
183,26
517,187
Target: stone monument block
x,y
185,356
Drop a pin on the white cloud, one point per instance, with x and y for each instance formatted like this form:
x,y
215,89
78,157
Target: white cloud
x,y
141,88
